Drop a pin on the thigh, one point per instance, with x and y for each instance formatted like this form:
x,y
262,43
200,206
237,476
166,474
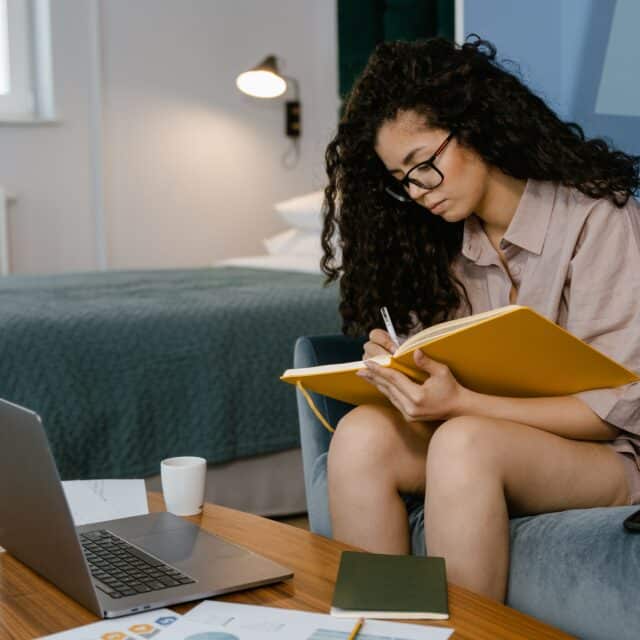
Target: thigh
x,y
543,472
378,438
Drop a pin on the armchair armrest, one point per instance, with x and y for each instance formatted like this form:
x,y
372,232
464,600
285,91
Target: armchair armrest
x,y
314,438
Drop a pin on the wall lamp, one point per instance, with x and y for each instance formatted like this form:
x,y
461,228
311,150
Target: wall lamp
x,y
265,81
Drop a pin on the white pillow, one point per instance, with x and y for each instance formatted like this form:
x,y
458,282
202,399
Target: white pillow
x,y
303,212
294,242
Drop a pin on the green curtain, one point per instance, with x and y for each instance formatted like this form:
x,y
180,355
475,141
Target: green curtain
x,y
362,24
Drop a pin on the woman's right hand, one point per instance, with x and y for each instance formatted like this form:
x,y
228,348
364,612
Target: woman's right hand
x,y
379,344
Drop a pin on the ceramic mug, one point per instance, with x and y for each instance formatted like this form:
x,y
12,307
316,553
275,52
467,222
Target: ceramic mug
x,y
183,482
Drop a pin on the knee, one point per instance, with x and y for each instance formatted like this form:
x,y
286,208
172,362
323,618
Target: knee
x,y
362,440
460,447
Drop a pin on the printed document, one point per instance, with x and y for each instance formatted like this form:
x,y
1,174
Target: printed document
x,y
99,500
216,620
142,626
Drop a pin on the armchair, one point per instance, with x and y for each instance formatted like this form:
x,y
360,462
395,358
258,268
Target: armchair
x,y
578,570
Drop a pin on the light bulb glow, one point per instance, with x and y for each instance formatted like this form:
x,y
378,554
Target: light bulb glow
x,y
261,84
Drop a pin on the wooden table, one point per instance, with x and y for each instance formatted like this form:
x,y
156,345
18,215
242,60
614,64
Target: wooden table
x,y
32,607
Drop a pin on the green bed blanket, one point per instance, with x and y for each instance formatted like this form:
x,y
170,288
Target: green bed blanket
x,y
127,368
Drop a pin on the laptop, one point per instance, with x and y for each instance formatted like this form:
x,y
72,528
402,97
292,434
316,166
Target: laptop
x,y
116,567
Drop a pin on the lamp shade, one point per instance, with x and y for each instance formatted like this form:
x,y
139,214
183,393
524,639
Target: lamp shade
x,y
263,81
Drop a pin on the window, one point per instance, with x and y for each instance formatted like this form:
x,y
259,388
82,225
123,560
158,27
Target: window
x,y
25,60
5,82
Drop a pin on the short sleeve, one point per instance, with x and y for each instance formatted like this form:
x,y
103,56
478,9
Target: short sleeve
x,y
604,304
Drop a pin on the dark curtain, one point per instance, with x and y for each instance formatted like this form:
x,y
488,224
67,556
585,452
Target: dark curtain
x,y
362,24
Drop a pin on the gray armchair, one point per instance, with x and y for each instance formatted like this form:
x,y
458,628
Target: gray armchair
x,y
578,570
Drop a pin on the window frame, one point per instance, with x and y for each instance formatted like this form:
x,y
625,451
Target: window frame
x,y
30,97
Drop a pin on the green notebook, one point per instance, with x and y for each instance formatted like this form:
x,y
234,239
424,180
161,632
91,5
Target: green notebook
x,y
371,585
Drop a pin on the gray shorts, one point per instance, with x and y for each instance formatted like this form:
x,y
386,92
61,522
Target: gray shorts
x,y
633,476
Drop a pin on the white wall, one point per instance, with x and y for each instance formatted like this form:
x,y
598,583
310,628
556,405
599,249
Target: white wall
x,y
47,167
191,166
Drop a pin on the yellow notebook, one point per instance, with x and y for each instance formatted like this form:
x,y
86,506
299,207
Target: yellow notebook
x,y
510,351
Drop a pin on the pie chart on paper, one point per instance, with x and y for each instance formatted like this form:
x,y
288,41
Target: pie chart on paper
x,y
212,635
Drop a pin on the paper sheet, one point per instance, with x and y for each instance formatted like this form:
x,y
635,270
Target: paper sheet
x,y
98,500
142,626
216,620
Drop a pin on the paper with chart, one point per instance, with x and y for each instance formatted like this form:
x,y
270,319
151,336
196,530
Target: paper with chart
x,y
215,620
99,500
142,626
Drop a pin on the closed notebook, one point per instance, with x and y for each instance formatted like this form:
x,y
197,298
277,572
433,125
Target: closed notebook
x,y
510,351
371,585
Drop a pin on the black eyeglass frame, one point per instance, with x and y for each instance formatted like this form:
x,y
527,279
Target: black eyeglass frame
x,y
403,183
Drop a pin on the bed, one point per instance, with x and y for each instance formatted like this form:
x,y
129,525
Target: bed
x,y
127,368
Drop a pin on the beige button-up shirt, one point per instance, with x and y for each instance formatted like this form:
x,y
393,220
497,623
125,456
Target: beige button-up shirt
x,y
576,261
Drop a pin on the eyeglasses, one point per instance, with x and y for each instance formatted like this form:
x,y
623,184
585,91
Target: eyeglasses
x,y
425,175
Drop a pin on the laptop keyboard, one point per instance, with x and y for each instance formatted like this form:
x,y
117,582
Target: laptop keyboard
x,y
119,569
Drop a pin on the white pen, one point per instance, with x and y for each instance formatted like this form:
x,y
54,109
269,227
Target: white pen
x,y
387,323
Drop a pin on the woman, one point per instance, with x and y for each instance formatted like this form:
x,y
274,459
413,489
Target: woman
x,y
459,191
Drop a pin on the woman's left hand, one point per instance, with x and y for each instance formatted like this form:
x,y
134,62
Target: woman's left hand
x,y
439,397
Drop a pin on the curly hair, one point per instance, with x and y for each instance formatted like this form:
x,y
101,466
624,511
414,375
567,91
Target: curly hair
x,y
392,253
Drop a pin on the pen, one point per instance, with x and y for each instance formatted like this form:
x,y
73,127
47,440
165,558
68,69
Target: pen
x,y
356,629
389,325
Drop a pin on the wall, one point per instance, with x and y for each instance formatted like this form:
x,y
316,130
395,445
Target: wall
x,y
48,166
561,46
527,33
191,166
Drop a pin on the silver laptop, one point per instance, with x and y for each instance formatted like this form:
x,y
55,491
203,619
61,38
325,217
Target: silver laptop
x,y
116,567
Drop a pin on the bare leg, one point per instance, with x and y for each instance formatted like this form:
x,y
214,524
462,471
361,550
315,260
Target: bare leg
x,y
374,455
479,470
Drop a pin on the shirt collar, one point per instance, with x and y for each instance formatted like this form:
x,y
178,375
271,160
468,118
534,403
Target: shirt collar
x,y
530,223
527,230
473,241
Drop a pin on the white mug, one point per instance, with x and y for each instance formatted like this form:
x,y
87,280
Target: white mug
x,y
183,481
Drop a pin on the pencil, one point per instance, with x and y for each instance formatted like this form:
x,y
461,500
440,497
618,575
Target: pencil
x,y
356,629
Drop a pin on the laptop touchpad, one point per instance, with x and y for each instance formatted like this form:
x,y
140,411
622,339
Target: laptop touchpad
x,y
182,545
